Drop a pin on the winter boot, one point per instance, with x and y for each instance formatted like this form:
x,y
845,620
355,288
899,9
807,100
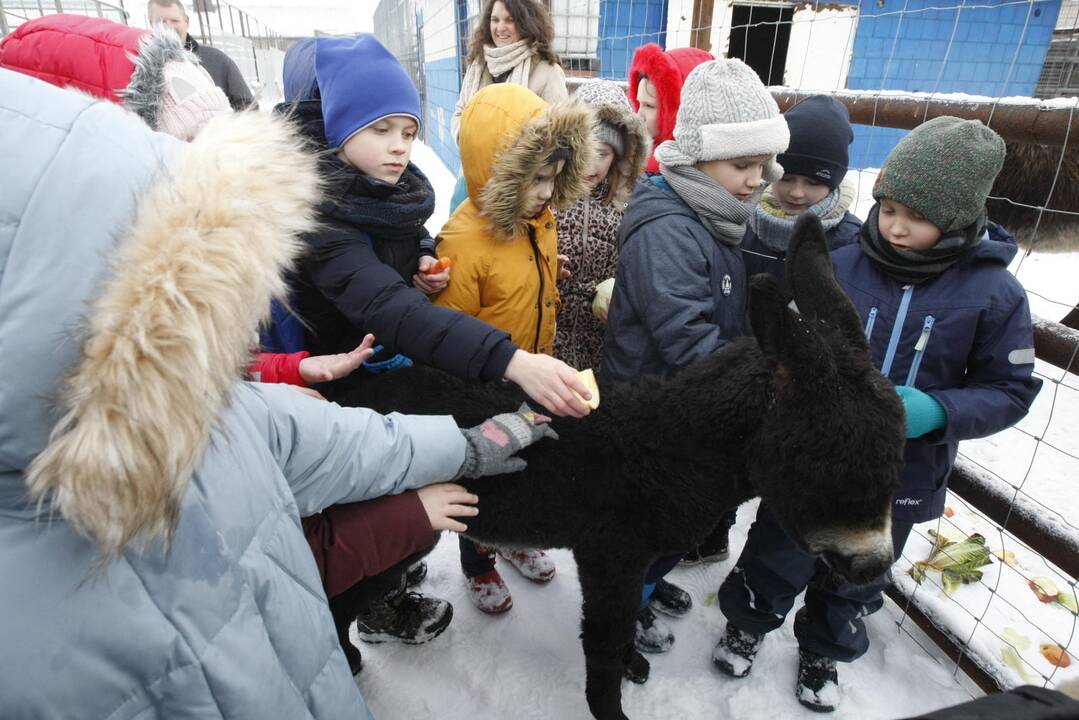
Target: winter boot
x,y
652,636
533,564
409,618
818,682
734,652
489,593
670,599
716,546
416,574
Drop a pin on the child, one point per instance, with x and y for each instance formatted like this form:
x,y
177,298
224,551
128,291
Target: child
x,y
367,268
814,167
951,328
588,229
655,89
680,287
518,154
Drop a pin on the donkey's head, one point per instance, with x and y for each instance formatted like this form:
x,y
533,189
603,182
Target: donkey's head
x,y
829,453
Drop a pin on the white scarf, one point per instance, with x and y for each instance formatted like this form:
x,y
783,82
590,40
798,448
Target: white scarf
x,y
515,58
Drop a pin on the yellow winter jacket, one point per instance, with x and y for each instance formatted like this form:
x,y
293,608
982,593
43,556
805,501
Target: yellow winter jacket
x,y
505,267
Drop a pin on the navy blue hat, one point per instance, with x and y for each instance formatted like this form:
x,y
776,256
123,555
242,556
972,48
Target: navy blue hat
x,y
820,133
299,71
360,82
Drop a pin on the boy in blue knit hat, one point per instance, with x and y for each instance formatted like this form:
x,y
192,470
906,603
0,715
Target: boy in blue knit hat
x,y
950,326
372,263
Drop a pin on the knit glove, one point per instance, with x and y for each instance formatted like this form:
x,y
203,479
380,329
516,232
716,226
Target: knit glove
x,y
602,298
924,413
490,446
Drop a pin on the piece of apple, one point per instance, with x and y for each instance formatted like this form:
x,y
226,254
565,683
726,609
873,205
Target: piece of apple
x,y
589,379
1056,655
1044,588
948,512
1067,599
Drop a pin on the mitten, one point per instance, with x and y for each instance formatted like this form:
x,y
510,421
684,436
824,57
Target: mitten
x,y
602,298
490,446
924,413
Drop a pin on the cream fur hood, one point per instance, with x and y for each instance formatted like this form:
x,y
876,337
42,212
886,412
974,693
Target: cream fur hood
x,y
170,310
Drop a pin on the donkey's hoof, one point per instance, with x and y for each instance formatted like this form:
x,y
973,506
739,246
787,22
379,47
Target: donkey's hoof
x,y
637,668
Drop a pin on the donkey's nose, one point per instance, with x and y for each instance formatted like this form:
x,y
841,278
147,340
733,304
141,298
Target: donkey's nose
x,y
859,569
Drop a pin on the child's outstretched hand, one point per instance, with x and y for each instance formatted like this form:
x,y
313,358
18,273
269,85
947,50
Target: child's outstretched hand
x,y
550,382
445,501
434,275
323,368
491,447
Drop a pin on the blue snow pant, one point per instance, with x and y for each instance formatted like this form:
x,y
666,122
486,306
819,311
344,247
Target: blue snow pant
x,y
771,571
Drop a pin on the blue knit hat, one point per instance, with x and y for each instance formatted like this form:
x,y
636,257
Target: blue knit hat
x,y
298,72
820,133
360,82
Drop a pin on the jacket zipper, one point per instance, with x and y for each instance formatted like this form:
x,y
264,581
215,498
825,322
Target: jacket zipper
x,y
897,330
919,349
539,299
869,323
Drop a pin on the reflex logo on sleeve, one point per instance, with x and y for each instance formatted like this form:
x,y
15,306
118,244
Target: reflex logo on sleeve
x,y
908,501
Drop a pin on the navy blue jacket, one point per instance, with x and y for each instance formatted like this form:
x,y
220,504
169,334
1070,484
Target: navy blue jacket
x,y
679,294
759,258
964,337
349,284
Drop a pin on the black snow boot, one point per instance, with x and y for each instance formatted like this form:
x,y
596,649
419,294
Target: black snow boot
x,y
416,574
670,599
652,636
818,682
409,618
716,546
734,652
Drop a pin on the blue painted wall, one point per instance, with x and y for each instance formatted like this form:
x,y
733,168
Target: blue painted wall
x,y
443,89
625,25
910,51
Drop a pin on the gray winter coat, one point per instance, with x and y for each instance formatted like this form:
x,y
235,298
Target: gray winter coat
x,y
679,294
127,431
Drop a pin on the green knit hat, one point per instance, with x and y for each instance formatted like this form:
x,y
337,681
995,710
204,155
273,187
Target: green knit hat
x,y
944,170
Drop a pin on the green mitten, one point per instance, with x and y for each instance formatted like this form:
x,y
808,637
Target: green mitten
x,y
924,413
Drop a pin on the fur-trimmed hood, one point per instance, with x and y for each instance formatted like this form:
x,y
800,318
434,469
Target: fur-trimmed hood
x,y
507,134
667,70
174,267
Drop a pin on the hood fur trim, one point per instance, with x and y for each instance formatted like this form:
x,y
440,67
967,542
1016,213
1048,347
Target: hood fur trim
x,y
569,124
174,327
146,92
638,148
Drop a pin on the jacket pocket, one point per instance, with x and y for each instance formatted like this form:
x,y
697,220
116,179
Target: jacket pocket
x,y
919,349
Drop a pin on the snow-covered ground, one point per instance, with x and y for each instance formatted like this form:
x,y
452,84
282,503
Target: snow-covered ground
x,y
529,662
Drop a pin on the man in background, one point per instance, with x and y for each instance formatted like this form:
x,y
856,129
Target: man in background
x,y
222,69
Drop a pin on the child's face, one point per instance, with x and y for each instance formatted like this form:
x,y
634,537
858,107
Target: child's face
x,y
382,149
646,101
539,192
904,228
795,193
739,176
503,28
602,166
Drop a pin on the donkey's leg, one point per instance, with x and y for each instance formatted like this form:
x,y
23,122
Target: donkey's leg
x,y
612,595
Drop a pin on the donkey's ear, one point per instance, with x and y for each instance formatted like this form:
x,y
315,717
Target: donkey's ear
x,y
768,314
813,284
